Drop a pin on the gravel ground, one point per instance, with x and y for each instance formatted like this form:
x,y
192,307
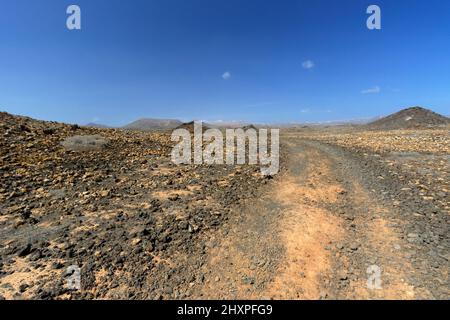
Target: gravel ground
x,y
110,202
332,214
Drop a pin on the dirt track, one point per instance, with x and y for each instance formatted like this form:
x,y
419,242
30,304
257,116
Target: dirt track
x,y
314,234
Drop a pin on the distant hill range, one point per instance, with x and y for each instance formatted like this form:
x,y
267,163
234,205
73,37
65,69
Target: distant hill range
x,y
226,124
96,125
411,118
153,124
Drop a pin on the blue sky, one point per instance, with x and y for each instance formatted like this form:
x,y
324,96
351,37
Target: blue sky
x,y
252,60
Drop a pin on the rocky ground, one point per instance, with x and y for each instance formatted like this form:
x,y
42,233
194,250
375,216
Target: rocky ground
x,y
335,217
110,202
139,227
417,158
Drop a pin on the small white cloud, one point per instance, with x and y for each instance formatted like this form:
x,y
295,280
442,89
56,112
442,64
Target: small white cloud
x,y
226,76
373,90
304,111
308,64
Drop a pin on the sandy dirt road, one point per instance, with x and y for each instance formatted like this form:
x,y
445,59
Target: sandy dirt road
x,y
324,230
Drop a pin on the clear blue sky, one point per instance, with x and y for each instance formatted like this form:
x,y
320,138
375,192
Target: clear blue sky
x,y
169,58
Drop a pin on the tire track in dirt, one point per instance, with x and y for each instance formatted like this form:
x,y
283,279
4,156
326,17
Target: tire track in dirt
x,y
312,236
374,238
305,232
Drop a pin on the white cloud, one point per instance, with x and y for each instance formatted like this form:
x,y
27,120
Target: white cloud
x,y
304,111
373,90
308,64
226,75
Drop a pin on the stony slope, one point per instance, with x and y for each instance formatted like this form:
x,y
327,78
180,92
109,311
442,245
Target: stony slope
x,y
110,202
411,118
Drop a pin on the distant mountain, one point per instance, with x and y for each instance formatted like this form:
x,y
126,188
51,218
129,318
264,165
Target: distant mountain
x,y
411,118
96,125
153,124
